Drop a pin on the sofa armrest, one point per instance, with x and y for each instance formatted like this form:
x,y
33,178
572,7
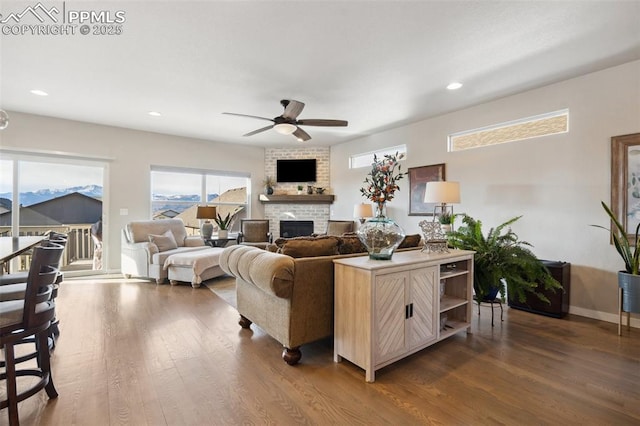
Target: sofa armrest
x,y
194,241
271,272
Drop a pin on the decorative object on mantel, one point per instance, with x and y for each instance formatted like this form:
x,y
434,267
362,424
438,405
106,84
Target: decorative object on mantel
x,y
269,183
362,212
435,240
380,234
443,193
319,190
502,262
300,189
629,278
309,189
206,213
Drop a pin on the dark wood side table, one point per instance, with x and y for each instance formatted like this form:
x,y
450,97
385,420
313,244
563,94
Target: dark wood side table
x,y
215,241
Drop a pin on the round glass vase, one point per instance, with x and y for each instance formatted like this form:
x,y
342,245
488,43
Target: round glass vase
x,y
381,236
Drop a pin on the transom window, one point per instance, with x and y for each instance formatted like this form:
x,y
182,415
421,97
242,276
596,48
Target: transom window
x,y
531,127
366,159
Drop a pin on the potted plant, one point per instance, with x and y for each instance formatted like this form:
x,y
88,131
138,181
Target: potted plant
x,y
300,187
223,225
629,279
269,182
502,262
446,220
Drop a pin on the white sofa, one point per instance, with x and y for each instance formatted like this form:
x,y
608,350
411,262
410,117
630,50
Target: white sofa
x,y
142,258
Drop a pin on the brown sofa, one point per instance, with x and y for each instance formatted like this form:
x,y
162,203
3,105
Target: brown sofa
x,y
288,291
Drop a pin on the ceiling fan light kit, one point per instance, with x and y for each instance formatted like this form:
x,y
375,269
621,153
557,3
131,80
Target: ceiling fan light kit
x,y
288,124
285,128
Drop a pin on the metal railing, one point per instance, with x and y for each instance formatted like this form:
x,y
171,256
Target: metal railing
x,y
79,248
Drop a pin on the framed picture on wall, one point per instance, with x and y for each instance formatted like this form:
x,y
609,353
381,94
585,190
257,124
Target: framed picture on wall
x,y
625,181
418,178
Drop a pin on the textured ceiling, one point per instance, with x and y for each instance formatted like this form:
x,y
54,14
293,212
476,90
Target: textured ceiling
x,y
377,64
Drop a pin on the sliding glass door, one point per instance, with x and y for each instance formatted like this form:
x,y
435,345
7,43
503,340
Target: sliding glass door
x,y
39,194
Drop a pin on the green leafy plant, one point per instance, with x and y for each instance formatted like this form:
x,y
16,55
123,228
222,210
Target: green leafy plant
x,y
300,187
630,257
446,218
224,224
502,261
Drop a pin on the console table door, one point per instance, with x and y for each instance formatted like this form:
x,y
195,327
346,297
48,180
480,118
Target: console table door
x,y
422,322
389,312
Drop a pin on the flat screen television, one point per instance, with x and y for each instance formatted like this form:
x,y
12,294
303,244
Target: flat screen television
x,y
298,170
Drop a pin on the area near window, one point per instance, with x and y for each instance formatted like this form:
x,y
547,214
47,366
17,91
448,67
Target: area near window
x,y
176,193
531,127
366,159
41,193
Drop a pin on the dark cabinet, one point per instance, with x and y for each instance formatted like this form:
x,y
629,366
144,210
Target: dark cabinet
x,y
559,306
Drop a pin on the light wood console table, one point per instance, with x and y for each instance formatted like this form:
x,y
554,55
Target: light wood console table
x,y
386,310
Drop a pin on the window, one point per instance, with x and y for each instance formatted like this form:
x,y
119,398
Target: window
x,y
176,193
40,193
531,127
366,159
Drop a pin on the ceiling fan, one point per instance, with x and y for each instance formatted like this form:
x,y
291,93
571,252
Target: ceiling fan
x,y
288,124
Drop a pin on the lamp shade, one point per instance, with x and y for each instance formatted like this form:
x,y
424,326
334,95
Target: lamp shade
x,y
442,192
206,212
362,210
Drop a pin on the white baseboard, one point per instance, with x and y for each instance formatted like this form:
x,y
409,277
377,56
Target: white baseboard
x,y
604,316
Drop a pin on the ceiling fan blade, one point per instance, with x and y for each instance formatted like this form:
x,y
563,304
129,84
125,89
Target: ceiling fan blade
x,y
264,129
325,123
301,135
250,116
292,108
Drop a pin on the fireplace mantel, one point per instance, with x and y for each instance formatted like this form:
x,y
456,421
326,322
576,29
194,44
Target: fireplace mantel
x,y
297,199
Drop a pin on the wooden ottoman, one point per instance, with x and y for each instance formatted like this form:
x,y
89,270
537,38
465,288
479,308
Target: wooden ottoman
x,y
194,266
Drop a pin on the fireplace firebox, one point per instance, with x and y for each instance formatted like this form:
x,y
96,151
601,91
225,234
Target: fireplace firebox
x,y
295,228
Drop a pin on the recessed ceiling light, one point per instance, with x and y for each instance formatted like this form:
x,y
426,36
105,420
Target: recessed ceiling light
x,y
154,113
39,92
454,86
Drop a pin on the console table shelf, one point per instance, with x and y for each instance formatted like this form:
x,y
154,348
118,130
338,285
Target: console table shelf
x,y
385,310
297,199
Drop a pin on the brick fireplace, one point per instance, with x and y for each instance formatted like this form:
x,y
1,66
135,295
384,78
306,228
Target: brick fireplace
x,y
299,207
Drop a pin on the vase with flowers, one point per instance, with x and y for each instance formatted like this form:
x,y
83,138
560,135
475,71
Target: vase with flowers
x,y
380,234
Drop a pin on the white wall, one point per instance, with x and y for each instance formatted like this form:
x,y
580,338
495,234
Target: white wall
x,y
555,182
132,153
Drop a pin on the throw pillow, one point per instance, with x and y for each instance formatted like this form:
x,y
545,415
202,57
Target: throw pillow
x,y
412,240
164,242
310,248
350,243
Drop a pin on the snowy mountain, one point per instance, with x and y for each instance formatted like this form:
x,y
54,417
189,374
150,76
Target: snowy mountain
x,y
34,197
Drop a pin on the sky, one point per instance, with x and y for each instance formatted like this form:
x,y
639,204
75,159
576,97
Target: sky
x,y
35,176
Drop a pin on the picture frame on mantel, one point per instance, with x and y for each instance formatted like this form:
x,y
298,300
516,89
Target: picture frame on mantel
x,y
625,181
418,178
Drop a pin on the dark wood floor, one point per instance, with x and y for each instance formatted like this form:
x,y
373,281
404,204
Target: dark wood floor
x,y
140,354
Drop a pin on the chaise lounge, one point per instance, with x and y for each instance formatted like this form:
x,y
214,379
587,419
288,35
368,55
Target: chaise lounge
x,y
146,245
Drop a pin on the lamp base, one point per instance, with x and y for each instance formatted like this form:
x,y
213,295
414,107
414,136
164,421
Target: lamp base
x,y
206,230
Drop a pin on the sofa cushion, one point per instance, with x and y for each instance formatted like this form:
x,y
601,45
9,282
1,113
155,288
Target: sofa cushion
x,y
322,246
164,242
350,243
409,241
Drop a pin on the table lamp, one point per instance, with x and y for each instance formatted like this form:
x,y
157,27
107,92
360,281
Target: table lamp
x,y
206,213
442,193
362,212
